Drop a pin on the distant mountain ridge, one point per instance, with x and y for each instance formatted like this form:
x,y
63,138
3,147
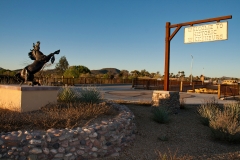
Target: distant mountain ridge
x,y
106,70
100,71
225,78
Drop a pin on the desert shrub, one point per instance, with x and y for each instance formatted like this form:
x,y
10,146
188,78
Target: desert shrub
x,y
67,95
163,138
182,104
222,120
160,115
233,109
8,118
225,125
207,111
171,156
90,95
87,94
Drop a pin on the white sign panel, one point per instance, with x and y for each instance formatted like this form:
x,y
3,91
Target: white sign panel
x,y
206,33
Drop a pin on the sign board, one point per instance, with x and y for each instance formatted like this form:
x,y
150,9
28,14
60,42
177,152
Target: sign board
x,y
206,33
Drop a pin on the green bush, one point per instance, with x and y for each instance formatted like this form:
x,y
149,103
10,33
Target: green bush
x,y
90,95
225,125
67,95
80,95
224,122
207,111
160,115
163,138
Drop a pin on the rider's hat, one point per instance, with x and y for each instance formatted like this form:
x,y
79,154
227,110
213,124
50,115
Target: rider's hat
x,y
38,44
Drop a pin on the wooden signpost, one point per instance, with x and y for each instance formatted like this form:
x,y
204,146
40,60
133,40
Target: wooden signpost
x,y
204,33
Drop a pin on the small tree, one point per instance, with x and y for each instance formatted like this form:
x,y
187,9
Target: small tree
x,y
105,75
2,71
157,75
76,71
62,65
135,73
123,74
144,73
152,75
7,72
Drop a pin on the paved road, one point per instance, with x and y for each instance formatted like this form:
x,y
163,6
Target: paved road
x,y
125,92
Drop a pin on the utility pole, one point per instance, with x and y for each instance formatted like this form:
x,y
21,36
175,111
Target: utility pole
x,y
191,70
203,77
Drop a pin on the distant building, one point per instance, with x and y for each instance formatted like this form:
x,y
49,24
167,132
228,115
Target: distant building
x,y
207,81
229,81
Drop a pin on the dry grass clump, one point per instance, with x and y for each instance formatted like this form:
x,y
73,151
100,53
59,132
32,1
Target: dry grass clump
x,y
182,103
127,102
9,117
226,125
53,116
208,111
171,156
223,121
75,108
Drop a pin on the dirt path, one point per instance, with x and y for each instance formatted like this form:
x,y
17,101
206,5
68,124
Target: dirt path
x,y
184,136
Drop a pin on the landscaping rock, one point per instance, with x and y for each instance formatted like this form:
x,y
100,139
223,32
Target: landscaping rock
x,y
101,139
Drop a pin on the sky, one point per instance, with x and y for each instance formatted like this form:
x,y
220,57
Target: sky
x,y
123,34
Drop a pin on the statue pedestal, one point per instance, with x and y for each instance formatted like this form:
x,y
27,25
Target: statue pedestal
x,y
169,100
26,98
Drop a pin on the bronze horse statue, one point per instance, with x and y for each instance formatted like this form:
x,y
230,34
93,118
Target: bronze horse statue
x,y
27,74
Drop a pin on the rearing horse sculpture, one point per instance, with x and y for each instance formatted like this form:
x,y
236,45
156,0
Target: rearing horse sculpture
x,y
27,74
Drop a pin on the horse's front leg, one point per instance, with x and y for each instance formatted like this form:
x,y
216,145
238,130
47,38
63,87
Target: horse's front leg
x,y
57,52
48,57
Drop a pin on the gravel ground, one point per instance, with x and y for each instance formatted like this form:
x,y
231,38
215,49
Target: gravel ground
x,y
184,137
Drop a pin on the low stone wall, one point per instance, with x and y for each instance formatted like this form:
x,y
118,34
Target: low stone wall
x,y
99,140
166,99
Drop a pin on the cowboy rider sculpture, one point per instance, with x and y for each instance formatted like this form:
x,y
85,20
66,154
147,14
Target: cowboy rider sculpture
x,y
27,74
